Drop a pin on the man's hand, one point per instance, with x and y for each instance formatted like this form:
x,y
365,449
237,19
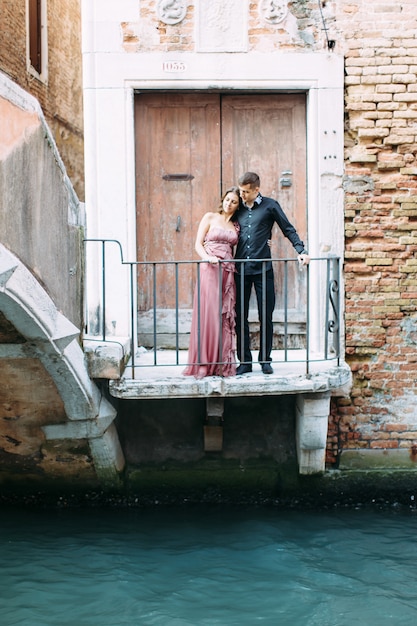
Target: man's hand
x,y
303,259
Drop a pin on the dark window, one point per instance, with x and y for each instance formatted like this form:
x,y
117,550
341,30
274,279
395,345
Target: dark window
x,y
35,37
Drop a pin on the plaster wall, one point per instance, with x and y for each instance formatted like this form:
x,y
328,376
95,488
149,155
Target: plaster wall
x,y
42,221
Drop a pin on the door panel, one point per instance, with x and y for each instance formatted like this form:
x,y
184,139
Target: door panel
x,y
177,181
189,148
266,134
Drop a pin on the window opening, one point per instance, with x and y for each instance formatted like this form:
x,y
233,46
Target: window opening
x,y
36,38
35,34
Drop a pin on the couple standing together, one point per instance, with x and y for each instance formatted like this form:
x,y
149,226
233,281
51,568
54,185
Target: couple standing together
x,y
240,229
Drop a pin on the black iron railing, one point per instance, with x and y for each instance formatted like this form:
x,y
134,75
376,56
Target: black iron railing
x,y
312,295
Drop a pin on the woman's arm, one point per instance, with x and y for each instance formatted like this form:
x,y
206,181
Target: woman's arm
x,y
199,240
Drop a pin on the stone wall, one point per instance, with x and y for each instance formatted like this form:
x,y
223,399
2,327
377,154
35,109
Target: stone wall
x,y
60,93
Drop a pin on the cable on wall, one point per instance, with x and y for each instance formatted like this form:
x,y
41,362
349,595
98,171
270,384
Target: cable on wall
x,y
331,43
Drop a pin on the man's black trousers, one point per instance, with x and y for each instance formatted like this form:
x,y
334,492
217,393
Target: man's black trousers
x,y
265,296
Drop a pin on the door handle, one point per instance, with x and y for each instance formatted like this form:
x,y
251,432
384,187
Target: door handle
x,y
178,177
285,180
178,226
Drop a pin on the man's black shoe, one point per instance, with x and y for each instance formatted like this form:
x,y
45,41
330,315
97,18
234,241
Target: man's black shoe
x,y
267,369
243,369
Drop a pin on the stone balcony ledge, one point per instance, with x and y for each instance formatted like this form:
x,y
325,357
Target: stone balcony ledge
x,y
165,379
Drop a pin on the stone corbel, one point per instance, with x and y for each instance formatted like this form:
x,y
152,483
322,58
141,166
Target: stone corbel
x,y
213,428
312,416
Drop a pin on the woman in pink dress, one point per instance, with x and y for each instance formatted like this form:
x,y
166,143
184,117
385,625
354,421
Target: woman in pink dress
x,y
216,239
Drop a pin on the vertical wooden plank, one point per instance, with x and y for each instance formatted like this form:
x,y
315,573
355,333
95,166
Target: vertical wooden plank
x,y
177,181
267,134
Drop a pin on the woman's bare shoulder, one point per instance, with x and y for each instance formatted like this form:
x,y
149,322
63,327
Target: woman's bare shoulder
x,y
209,217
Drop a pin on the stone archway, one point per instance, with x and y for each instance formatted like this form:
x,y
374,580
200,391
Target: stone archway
x,y
49,337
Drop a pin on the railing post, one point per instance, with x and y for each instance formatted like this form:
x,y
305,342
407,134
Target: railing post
x,y
176,316
327,310
308,323
154,313
220,359
262,339
103,282
132,323
285,310
198,314
333,306
335,262
242,313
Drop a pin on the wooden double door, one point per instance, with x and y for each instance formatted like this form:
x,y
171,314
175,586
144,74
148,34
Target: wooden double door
x,y
190,147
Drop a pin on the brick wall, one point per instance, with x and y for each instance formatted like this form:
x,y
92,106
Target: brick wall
x,y
379,40
61,96
302,30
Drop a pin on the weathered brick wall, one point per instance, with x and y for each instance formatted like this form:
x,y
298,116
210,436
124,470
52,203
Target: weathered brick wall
x,y
301,29
379,40
61,97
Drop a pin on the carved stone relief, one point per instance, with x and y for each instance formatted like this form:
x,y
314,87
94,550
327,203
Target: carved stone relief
x,y
222,26
273,11
171,11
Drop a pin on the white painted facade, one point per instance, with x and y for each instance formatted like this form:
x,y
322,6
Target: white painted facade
x,y
221,60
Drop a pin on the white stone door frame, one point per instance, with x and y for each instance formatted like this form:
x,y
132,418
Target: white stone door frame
x,y
111,81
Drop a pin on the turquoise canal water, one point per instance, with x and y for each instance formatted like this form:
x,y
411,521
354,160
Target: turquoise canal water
x,y
207,566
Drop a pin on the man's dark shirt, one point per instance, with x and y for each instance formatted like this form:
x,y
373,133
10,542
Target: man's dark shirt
x,y
255,230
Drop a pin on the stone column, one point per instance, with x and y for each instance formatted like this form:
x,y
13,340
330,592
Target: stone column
x,y
312,415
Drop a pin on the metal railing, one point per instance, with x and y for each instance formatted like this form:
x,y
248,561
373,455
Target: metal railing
x,y
318,291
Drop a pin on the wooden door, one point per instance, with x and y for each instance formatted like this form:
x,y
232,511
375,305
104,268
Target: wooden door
x,y
266,134
177,181
190,148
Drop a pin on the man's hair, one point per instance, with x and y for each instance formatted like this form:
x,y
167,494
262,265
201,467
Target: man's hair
x,y
250,178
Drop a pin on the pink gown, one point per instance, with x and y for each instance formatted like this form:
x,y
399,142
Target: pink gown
x,y
208,362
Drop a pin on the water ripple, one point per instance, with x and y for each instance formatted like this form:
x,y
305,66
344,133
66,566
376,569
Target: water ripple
x,y
206,567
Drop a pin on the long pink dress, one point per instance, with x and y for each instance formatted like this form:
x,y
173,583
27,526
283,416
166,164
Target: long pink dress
x,y
205,360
